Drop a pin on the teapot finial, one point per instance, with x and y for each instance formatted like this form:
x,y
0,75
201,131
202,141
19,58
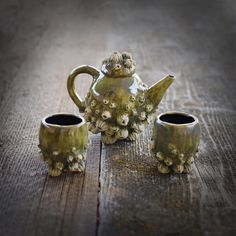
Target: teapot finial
x,y
119,65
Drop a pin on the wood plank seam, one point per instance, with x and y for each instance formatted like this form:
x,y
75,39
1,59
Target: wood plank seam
x,y
40,200
98,195
63,218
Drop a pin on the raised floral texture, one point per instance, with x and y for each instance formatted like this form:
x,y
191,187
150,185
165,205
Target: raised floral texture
x,y
174,161
119,65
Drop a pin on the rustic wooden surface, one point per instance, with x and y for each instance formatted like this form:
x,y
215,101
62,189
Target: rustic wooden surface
x,y
121,192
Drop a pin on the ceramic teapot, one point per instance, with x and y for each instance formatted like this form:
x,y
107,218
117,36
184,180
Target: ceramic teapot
x,y
118,103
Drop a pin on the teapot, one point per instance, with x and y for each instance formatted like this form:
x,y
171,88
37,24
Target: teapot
x,y
118,103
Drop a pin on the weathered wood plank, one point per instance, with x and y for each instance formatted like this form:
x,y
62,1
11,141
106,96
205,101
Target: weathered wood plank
x,y
134,198
41,42
32,203
68,205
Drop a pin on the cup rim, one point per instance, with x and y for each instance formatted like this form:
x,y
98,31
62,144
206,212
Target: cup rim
x,y
178,113
44,122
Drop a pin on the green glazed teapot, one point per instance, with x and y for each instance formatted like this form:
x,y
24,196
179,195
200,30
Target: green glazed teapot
x,y
118,103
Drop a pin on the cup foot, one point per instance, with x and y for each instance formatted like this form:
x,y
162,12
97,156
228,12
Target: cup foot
x,y
175,163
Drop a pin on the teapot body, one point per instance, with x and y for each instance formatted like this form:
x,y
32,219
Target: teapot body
x,y
117,107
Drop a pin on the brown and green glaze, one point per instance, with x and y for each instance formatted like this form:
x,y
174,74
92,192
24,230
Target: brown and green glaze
x,y
118,103
175,140
63,140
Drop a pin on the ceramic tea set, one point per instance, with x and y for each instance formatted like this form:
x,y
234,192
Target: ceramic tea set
x,y
118,105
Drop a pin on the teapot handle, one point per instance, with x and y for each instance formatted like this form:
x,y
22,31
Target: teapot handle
x,y
71,83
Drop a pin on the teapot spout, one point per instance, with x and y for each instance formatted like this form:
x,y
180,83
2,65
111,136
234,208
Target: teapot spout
x,y
157,91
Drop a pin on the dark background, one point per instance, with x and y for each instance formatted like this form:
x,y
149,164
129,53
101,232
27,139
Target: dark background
x,y
42,41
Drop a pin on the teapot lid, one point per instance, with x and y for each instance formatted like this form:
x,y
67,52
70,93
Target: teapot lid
x,y
119,65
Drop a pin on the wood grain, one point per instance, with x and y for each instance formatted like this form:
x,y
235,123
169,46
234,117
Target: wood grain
x,y
121,192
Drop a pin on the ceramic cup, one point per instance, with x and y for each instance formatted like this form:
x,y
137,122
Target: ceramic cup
x,y
63,140
175,138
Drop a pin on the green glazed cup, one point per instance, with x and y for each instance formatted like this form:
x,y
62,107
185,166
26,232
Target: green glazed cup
x,y
63,140
176,137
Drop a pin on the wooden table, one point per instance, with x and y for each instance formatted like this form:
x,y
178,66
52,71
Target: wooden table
x,y
121,192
